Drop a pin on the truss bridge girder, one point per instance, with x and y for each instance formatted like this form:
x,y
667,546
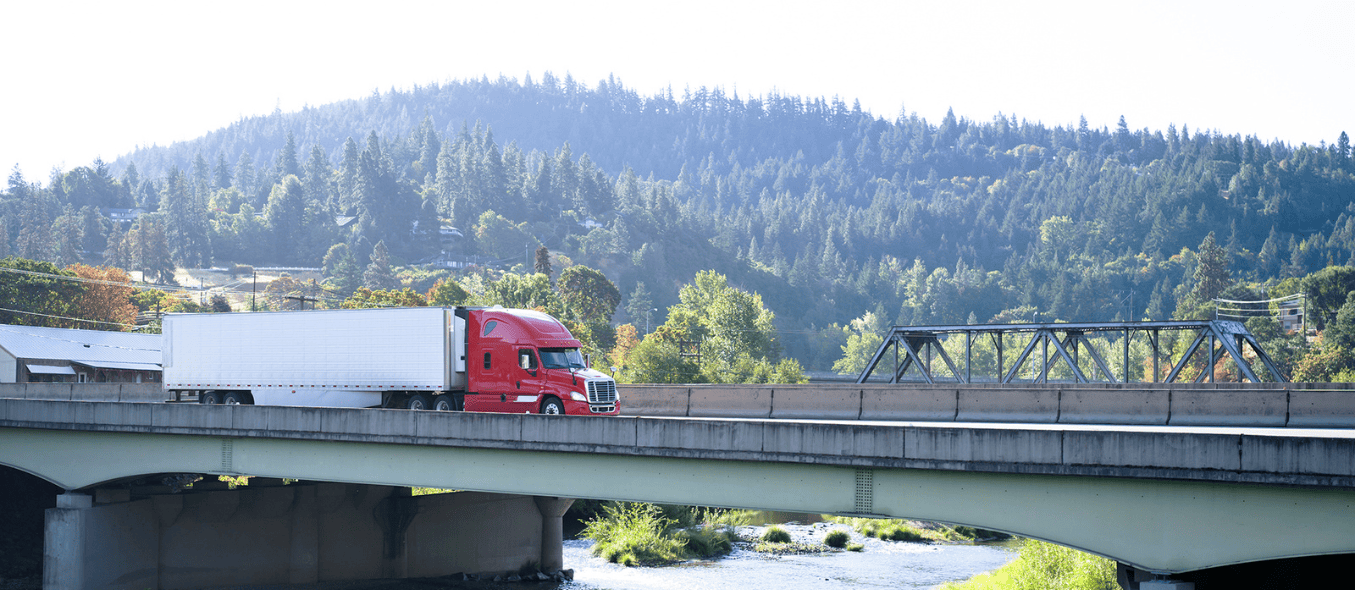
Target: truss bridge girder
x,y
913,348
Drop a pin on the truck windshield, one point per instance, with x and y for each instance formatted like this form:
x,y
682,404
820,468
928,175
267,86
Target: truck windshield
x,y
561,358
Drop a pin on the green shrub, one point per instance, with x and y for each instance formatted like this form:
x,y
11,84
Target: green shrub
x,y
632,533
837,538
707,541
855,547
1042,566
775,534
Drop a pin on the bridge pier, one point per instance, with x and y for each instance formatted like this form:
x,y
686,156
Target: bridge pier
x,y
270,533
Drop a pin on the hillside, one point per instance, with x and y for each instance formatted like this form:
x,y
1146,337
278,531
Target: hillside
x,y
827,211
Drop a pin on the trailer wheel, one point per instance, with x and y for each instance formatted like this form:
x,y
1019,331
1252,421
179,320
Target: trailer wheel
x,y
443,403
209,397
553,407
233,398
417,401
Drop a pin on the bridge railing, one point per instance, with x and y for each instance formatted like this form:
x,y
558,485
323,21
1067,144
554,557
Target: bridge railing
x,y
1295,405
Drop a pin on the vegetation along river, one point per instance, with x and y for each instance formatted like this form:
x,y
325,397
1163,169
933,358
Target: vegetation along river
x,y
880,564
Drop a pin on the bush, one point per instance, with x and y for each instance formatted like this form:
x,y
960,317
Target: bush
x,y
837,538
707,541
631,533
888,530
1042,566
855,547
776,534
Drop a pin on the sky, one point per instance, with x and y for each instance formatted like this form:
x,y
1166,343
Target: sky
x,y
97,79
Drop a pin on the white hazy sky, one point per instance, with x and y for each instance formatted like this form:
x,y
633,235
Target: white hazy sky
x,y
96,79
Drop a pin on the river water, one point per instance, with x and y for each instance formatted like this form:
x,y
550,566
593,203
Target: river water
x,y
882,564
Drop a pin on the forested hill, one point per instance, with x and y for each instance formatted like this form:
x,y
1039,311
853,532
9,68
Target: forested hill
x,y
826,210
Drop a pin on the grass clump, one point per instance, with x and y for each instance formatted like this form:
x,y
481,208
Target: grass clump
x,y
1041,566
775,534
633,534
888,530
855,547
837,539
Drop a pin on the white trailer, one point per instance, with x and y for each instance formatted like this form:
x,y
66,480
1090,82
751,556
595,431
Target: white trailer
x,y
335,358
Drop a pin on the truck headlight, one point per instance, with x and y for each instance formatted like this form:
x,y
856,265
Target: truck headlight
x,y
578,397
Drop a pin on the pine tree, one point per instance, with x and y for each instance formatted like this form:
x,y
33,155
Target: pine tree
x,y
378,274
287,159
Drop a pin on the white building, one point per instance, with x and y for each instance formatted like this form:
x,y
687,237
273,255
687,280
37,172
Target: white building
x,y
30,354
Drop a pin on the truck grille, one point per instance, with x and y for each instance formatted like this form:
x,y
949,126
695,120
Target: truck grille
x,y
602,392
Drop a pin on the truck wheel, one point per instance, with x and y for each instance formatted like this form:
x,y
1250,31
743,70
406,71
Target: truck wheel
x,y
233,398
442,403
417,401
209,397
552,406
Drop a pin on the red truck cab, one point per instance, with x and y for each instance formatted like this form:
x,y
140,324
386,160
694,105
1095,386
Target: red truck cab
x,y
523,361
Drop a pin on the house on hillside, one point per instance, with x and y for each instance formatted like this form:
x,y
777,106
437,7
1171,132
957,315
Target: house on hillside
x,y
30,354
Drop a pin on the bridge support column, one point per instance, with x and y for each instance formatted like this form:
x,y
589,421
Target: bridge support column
x,y
552,531
83,542
267,533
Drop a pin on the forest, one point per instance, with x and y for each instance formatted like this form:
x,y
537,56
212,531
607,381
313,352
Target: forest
x,y
838,220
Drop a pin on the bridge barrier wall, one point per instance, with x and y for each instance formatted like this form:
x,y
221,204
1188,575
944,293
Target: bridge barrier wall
x,y
1218,407
828,402
729,401
48,391
1121,406
1009,405
925,404
88,392
654,400
1309,405
1321,409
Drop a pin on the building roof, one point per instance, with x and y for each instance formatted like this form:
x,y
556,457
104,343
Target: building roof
x,y
88,347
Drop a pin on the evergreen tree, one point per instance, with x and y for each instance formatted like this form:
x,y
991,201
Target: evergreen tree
x,y
288,164
378,274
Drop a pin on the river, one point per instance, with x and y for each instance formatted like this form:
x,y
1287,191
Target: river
x,y
882,564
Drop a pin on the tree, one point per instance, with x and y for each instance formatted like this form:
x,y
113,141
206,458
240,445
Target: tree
x,y
37,293
1211,278
341,269
588,294
285,214
364,298
639,305
107,297
220,304
447,292
542,264
526,292
148,249
287,159
378,274
864,336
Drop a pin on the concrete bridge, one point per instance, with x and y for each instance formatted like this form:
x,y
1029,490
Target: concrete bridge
x,y
1150,492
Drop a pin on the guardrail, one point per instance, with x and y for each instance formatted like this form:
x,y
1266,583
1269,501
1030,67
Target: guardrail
x,y
1299,405
1302,406
86,392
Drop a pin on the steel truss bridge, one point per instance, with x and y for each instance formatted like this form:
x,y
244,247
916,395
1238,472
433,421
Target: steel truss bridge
x,y
915,347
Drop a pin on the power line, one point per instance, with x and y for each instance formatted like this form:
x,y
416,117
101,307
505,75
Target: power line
x,y
59,317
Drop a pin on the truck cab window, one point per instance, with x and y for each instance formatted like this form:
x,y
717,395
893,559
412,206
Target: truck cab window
x,y
527,360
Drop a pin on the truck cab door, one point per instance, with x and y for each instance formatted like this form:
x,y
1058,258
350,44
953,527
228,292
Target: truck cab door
x,y
528,378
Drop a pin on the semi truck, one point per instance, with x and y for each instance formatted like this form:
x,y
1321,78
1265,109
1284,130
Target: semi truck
x,y
479,359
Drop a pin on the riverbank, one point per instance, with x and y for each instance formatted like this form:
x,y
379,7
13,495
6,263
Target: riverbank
x,y
879,564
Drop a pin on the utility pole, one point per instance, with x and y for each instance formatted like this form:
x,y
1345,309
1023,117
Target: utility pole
x,y
303,299
254,291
